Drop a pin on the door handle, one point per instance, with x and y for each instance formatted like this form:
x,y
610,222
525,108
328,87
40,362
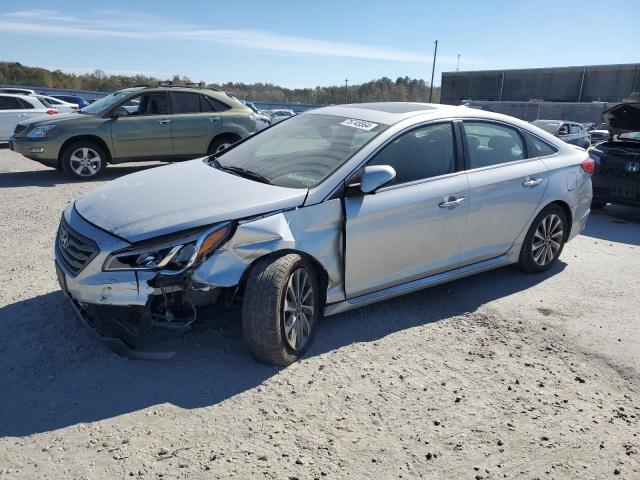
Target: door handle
x,y
163,122
453,203
532,182
214,119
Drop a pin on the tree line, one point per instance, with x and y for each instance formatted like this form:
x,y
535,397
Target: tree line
x,y
382,89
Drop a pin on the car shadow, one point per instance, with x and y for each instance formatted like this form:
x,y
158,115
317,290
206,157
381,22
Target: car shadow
x,y
53,177
55,374
615,223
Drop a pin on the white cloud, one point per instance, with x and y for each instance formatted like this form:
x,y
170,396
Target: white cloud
x,y
144,27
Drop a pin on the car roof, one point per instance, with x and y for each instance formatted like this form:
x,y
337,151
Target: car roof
x,y
390,113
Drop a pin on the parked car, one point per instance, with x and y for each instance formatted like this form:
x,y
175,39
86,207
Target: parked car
x,y
136,124
570,132
60,105
17,91
17,109
78,100
617,174
262,121
279,115
331,210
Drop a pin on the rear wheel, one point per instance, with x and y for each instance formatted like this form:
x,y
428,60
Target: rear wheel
x,y
221,144
545,240
281,309
83,160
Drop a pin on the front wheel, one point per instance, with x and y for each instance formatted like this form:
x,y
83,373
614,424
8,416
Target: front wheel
x,y
83,160
545,240
281,309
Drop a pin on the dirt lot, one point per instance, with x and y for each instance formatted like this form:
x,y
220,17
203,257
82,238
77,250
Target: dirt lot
x,y
501,375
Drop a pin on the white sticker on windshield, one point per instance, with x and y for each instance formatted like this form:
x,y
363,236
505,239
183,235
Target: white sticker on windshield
x,y
361,124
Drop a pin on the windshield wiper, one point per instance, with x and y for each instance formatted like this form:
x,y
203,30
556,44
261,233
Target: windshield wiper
x,y
242,172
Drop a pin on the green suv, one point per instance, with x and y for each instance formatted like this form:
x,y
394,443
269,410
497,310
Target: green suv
x,y
167,123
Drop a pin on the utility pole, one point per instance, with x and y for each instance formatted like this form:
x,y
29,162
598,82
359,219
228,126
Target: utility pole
x,y
346,86
433,70
458,66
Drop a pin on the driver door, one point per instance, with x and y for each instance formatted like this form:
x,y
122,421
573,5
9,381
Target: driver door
x,y
413,227
146,131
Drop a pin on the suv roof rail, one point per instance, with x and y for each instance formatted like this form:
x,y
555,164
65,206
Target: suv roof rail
x,y
174,85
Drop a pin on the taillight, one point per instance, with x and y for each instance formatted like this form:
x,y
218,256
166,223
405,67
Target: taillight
x,y
589,166
52,111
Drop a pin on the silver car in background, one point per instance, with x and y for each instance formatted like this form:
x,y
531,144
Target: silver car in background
x,y
331,210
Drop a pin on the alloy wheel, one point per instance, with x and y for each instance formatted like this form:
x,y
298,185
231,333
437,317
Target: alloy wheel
x,y
547,240
85,162
222,147
298,309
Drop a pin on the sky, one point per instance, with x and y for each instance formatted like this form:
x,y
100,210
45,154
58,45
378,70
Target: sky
x,y
302,43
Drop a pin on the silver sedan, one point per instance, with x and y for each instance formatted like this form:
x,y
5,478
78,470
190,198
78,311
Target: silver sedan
x,y
331,210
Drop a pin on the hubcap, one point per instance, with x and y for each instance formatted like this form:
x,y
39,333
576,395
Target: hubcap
x,y
222,147
298,309
547,240
85,162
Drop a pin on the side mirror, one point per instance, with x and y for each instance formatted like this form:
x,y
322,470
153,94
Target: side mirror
x,y
119,112
376,176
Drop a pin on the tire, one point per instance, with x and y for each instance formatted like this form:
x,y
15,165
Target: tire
x,y
220,144
549,238
83,160
598,204
268,326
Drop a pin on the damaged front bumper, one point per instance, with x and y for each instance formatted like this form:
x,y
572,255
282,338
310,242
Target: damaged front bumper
x,y
119,306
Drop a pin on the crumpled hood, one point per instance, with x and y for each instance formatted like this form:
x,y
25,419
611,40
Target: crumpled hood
x,y
177,197
623,118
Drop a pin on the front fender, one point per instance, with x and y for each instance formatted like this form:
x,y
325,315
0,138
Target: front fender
x,y
315,230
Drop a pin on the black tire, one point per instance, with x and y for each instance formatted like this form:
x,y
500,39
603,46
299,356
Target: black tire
x,y
598,204
221,143
530,255
72,165
263,309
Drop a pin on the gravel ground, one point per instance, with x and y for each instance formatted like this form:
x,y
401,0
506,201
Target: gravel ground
x,y
502,375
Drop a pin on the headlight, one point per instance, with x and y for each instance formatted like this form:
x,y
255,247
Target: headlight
x,y
172,256
41,131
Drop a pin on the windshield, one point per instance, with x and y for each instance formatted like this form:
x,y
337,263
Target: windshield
x,y
301,152
547,125
106,102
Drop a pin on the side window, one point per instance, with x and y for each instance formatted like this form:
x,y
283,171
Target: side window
x,y
9,103
210,104
185,102
574,129
492,144
536,147
24,104
564,129
422,153
149,104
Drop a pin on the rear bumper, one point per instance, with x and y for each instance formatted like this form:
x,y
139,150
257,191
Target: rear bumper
x,y
621,190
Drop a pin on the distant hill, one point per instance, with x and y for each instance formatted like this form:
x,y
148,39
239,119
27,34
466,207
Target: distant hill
x,y
383,89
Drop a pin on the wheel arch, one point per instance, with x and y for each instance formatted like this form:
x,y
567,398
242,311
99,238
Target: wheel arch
x,y
321,273
230,135
567,211
90,138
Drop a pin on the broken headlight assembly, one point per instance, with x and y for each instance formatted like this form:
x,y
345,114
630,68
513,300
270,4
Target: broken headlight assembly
x,y
171,256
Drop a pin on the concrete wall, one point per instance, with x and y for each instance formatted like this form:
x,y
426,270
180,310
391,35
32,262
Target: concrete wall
x,y
603,83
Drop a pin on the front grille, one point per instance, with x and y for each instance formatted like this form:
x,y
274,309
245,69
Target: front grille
x,y
74,250
19,129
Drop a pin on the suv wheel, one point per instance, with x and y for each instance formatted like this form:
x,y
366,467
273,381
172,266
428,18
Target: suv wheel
x,y
220,144
281,309
83,160
544,241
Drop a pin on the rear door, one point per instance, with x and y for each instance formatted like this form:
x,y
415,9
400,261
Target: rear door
x,y
196,120
10,108
406,230
505,188
146,132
